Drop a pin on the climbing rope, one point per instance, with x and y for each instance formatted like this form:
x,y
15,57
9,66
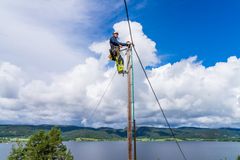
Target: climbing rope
x,y
101,98
154,93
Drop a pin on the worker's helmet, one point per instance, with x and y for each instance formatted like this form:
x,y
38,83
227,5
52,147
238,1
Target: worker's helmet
x,y
115,32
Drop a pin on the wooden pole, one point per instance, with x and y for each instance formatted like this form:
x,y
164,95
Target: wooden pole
x,y
129,131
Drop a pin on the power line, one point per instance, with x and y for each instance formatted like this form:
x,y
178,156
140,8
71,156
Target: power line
x,y
154,93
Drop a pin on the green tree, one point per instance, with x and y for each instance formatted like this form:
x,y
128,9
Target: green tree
x,y
238,158
17,153
42,146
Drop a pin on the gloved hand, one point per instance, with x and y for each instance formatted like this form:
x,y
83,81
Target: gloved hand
x,y
129,43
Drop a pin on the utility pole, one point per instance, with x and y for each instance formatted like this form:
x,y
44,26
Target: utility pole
x,y
129,131
133,113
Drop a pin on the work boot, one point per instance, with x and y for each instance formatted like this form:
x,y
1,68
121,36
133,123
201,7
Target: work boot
x,y
120,72
123,72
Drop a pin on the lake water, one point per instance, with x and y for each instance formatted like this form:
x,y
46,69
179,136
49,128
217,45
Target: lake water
x,y
147,150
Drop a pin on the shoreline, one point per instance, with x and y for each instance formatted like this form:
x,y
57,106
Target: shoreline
x,y
14,140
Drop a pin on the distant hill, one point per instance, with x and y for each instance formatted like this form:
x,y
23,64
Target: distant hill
x,y
147,133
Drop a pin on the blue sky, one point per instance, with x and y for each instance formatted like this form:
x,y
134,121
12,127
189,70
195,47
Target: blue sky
x,y
183,28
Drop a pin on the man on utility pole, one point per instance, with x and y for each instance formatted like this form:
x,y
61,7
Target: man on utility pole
x,y
115,52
